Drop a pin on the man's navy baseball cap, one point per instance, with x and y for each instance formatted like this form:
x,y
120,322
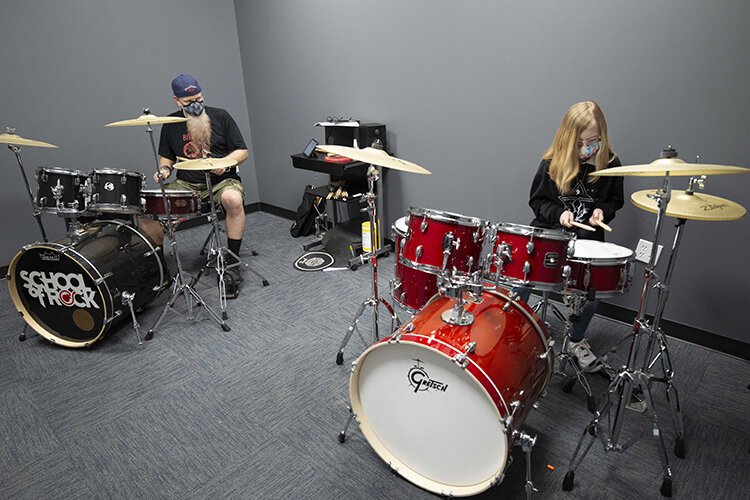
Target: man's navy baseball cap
x,y
185,86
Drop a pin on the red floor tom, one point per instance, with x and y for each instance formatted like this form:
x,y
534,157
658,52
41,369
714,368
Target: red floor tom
x,y
411,287
439,402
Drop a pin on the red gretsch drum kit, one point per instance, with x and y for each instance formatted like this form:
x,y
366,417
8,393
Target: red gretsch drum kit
x,y
473,359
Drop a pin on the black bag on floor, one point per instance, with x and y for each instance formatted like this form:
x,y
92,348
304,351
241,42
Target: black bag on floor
x,y
311,206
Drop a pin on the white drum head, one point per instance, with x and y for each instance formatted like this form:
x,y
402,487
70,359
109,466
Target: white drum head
x,y
592,249
446,438
402,225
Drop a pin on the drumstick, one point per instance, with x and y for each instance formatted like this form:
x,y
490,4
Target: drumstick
x,y
582,226
604,226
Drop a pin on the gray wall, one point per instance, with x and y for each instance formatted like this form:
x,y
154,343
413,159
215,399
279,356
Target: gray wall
x,y
70,67
474,91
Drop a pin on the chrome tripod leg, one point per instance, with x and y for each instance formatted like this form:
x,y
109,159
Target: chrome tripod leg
x,y
127,300
672,397
591,430
342,434
527,443
666,485
340,354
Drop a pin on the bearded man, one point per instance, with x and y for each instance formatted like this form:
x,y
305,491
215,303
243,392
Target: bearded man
x,y
213,133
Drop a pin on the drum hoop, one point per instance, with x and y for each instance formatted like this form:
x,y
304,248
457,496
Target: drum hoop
x,y
60,170
442,216
406,472
114,208
602,261
115,171
32,322
426,268
171,193
540,285
519,229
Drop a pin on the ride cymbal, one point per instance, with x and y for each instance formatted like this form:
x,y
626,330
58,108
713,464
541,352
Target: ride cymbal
x,y
205,164
375,157
147,119
691,206
10,137
671,166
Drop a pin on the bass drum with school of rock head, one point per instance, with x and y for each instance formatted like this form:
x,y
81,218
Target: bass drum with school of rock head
x,y
70,291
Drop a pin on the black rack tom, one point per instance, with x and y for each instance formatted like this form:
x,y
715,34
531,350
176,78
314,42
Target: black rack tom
x,y
114,190
60,190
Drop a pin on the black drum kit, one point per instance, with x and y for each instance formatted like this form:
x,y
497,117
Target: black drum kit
x,y
475,358
73,290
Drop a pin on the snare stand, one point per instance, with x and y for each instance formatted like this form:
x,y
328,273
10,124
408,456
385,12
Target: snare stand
x,y
631,376
374,301
179,286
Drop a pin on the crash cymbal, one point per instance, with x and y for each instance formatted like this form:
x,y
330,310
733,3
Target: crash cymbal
x,y
691,206
147,119
10,137
671,166
374,157
205,164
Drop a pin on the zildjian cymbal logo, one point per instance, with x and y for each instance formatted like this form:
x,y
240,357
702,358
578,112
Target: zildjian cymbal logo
x,y
420,381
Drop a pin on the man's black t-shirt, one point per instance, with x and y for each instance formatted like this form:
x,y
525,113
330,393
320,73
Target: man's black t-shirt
x,y
225,138
548,203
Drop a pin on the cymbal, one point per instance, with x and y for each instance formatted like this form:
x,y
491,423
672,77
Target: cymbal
x,y
671,166
147,119
691,206
205,164
10,137
374,157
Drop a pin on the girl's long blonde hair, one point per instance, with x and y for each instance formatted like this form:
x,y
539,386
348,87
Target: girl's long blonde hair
x,y
563,152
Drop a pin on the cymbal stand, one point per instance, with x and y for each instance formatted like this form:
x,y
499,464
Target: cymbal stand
x,y
219,253
374,301
631,376
179,285
34,210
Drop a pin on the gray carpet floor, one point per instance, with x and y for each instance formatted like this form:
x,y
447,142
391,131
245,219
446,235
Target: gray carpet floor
x,y
255,412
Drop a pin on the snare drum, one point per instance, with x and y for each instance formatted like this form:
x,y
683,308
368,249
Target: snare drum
x,y
430,231
411,288
70,291
115,191
439,402
60,190
183,204
603,267
530,256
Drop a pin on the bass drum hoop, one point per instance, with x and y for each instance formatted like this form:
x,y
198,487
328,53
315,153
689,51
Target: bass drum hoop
x,y
479,377
86,266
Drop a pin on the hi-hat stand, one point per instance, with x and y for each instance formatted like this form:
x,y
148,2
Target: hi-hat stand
x,y
179,285
218,253
635,376
375,300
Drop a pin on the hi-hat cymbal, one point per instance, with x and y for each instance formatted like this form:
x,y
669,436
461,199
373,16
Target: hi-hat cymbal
x,y
671,166
10,137
205,164
147,119
691,206
374,157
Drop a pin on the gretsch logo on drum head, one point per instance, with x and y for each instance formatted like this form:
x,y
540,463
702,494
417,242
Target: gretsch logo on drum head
x,y
59,289
109,186
420,381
